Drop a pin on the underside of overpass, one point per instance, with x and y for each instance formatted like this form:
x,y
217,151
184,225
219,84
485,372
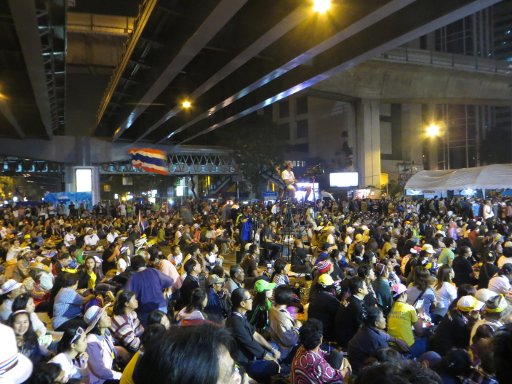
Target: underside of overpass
x,y
84,80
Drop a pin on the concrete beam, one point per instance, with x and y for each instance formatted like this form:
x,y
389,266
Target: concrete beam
x,y
85,151
420,84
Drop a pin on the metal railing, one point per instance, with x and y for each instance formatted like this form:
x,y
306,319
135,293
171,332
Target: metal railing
x,y
446,60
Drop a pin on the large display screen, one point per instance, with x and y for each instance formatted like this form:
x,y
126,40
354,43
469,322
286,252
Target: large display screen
x,y
344,179
83,180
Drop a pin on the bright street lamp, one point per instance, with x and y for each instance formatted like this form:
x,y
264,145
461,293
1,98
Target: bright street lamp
x,y
321,6
433,130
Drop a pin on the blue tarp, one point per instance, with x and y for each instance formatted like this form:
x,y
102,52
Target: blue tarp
x,y
65,198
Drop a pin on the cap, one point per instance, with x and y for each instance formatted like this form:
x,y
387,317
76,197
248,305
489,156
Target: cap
x,y
324,266
484,294
496,304
428,248
93,315
263,285
358,238
469,303
14,367
508,244
398,289
215,279
9,286
325,280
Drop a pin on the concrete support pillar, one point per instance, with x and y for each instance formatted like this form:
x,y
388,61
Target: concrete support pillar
x,y
72,184
412,133
368,142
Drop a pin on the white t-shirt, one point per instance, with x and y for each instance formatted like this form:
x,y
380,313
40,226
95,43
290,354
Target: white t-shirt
x,y
288,177
444,296
500,284
71,371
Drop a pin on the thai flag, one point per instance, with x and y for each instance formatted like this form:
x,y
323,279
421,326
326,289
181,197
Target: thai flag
x,y
150,160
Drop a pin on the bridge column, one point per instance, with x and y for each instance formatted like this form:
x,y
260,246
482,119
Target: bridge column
x,y
80,182
412,133
368,142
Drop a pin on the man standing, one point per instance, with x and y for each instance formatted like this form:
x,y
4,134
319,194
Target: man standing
x,y
148,285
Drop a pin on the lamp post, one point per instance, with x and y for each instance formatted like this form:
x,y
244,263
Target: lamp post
x,y
433,131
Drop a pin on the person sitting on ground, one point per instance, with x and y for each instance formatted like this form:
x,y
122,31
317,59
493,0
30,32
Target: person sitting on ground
x,y
212,362
403,318
370,338
351,313
323,305
312,365
100,346
255,354
26,302
193,313
26,338
218,307
126,327
284,329
236,278
10,290
500,282
72,357
68,304
259,315
454,330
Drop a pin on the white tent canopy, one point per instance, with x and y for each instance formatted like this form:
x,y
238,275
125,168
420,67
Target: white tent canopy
x,y
496,176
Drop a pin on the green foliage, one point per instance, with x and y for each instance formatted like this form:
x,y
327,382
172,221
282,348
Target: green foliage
x,y
257,145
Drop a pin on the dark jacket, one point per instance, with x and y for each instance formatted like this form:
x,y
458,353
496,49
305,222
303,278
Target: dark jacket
x,y
242,331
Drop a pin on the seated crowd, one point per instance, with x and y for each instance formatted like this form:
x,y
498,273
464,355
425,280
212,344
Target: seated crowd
x,y
365,292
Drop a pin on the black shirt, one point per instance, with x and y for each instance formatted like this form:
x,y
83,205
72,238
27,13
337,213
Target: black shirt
x,y
463,270
242,331
323,307
348,320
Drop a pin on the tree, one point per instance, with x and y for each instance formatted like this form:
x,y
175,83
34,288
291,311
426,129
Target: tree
x,y
6,187
258,146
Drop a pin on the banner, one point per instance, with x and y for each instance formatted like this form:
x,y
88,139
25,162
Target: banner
x,y
150,160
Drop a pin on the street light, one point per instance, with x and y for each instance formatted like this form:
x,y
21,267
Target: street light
x,y
321,6
433,130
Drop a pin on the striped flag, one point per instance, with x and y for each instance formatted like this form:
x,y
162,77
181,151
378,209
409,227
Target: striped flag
x,y
150,160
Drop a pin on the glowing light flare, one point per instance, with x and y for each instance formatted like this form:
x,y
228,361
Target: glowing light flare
x,y
321,6
433,130
186,104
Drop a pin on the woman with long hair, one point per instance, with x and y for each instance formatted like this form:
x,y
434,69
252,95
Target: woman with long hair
x,y
26,338
193,314
100,347
87,276
445,293
25,302
126,327
72,357
419,294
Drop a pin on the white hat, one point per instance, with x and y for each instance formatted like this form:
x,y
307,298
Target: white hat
x,y
9,286
469,303
93,315
428,248
14,367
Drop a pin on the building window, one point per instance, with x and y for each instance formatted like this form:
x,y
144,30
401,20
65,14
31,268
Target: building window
x,y
302,129
284,131
302,105
284,109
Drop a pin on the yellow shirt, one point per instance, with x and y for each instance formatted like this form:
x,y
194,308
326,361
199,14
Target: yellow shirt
x,y
400,321
127,377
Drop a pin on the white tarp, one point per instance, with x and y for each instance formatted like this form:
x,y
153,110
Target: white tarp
x,y
496,176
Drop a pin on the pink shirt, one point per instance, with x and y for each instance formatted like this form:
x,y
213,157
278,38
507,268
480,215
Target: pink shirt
x,y
168,269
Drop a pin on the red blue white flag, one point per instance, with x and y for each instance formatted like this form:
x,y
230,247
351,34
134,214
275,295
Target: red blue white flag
x,y
150,160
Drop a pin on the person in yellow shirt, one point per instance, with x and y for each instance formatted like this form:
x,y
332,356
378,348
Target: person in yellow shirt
x,y
403,318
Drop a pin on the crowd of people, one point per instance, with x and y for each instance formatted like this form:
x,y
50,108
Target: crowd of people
x,y
398,291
